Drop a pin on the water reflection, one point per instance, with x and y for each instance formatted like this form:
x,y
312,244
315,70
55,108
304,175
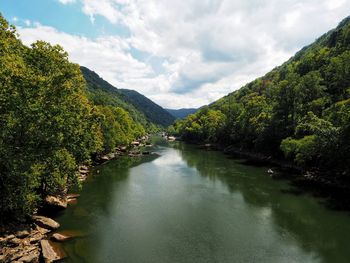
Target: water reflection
x,y
189,205
317,230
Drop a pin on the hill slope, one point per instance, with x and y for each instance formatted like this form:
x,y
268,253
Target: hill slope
x,y
181,113
152,111
300,110
100,92
141,108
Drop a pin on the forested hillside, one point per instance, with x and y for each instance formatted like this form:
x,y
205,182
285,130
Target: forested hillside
x,y
299,111
140,107
181,113
48,123
153,111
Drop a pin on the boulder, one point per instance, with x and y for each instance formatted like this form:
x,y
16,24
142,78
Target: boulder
x,y
15,241
60,237
46,222
33,257
72,196
51,251
104,158
41,230
72,201
135,143
56,201
16,254
22,234
4,240
36,237
83,171
83,168
111,156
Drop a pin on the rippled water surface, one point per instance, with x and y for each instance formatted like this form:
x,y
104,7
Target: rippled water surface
x,y
190,205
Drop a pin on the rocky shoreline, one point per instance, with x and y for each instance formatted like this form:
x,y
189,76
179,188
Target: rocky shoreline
x,y
39,239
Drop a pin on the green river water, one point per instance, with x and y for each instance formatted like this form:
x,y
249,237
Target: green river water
x,y
191,205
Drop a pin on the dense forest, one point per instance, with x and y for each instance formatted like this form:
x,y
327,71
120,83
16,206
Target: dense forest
x,y
51,121
299,111
141,108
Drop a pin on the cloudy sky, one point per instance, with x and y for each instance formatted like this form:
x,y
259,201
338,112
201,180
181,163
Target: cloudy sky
x,y
179,53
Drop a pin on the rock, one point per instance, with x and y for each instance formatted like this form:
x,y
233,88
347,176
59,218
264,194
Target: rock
x,y
33,257
16,255
15,241
42,231
35,238
83,168
51,251
135,143
46,222
111,156
82,178
60,237
146,153
123,149
171,138
72,201
22,234
72,196
4,240
83,172
269,171
57,201
104,158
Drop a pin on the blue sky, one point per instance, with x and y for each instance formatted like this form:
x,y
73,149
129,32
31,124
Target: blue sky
x,y
183,53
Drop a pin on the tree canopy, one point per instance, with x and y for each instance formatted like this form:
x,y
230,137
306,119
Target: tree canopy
x,y
48,123
300,110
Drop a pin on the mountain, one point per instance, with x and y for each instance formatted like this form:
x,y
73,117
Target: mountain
x,y
152,111
181,113
300,111
140,107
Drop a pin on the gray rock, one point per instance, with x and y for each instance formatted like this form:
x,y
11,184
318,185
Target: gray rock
x,y
60,237
51,252
57,201
46,222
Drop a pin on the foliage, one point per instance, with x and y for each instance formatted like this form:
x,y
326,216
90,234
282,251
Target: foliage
x,y
301,109
48,124
141,109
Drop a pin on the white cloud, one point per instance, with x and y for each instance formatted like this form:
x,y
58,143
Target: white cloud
x,y
208,48
66,1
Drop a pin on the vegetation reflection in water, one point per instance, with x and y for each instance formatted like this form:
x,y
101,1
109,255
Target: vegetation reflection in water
x,y
188,205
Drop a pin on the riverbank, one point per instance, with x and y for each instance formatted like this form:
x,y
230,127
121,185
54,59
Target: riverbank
x,y
334,188
38,239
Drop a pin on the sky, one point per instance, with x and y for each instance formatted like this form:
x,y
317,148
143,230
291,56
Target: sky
x,y
179,53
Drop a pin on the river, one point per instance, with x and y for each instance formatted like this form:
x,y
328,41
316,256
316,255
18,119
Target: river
x,y
189,205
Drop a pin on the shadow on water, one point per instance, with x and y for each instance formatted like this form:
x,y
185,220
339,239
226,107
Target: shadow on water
x,y
190,205
293,210
93,208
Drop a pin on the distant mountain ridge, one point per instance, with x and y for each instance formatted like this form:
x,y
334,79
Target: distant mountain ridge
x,y
182,113
140,107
